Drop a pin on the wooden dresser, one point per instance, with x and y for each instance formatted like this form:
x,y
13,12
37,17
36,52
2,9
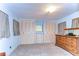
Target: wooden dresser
x,y
69,43
2,53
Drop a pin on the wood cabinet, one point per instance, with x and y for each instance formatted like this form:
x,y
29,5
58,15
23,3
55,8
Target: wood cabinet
x,y
2,53
69,43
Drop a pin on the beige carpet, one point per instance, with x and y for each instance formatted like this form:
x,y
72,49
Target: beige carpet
x,y
39,50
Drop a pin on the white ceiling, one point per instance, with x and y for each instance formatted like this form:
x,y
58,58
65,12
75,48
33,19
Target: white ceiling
x,y
37,10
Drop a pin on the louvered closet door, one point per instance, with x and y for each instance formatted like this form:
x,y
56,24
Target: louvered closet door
x,y
39,37
27,32
48,32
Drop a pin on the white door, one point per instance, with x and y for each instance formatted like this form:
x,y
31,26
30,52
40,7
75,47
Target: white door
x,y
48,32
27,29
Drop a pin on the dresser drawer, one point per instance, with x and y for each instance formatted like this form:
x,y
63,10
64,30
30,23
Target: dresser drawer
x,y
63,37
68,40
73,46
73,43
74,50
73,40
67,46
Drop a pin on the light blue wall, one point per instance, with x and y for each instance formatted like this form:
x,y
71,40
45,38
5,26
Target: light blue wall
x,y
68,20
12,41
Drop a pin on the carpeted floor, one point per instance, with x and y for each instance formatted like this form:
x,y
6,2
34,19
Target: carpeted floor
x,y
39,50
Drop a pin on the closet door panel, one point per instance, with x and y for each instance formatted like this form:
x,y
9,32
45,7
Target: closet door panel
x,y
39,38
48,32
27,32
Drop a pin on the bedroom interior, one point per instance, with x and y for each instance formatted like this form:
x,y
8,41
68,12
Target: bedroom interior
x,y
42,29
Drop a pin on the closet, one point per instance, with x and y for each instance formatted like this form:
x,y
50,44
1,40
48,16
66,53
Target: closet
x,y
30,35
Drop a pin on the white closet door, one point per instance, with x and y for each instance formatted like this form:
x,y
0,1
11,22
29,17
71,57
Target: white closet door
x,y
29,35
27,32
48,32
39,37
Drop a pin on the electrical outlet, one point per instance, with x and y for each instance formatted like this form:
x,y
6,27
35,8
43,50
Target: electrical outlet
x,y
10,47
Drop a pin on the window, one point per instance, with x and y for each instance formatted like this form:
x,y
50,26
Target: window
x,y
39,26
61,27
